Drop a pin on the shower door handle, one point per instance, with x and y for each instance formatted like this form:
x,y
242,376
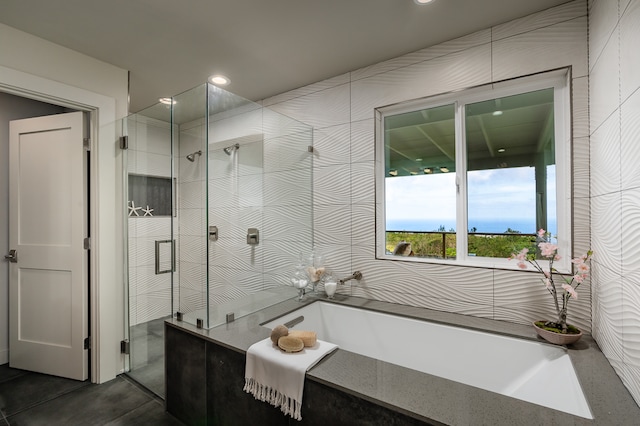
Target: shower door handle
x,y
12,256
164,269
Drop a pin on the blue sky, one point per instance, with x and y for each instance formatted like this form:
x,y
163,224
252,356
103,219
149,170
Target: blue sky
x,y
499,195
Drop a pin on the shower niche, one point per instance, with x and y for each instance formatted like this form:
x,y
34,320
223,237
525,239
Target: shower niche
x,y
210,160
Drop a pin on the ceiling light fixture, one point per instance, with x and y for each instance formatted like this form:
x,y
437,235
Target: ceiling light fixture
x,y
497,113
219,80
423,1
428,170
167,101
393,172
444,169
413,173
501,150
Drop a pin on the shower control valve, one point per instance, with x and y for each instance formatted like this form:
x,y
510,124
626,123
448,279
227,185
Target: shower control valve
x,y
253,236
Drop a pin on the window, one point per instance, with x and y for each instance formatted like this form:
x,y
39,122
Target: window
x,y
470,177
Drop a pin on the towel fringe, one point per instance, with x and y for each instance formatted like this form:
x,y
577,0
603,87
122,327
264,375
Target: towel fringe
x,y
289,406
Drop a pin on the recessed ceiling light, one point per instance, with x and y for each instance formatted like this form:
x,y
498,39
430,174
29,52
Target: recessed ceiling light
x,y
219,80
501,150
444,169
423,1
496,113
393,172
166,101
418,159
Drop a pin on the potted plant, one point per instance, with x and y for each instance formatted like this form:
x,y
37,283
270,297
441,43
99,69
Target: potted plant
x,y
556,331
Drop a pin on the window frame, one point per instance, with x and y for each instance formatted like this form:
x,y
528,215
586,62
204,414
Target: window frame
x,y
560,81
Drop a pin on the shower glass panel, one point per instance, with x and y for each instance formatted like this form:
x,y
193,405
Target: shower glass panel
x,y
218,194
243,207
149,188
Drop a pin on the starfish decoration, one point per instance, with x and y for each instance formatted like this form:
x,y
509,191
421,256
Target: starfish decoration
x,y
147,211
133,209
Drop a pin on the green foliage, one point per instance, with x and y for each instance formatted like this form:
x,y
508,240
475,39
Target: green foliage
x,y
434,244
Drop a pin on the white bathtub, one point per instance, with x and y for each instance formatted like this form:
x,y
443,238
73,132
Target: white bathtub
x,y
535,372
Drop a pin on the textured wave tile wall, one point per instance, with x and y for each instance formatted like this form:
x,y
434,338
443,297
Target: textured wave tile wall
x,y
615,196
547,40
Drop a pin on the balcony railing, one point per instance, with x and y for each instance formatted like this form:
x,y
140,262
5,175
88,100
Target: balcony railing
x,y
442,244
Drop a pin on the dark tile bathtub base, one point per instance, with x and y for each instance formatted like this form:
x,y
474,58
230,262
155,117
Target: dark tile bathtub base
x,y
185,377
323,405
228,404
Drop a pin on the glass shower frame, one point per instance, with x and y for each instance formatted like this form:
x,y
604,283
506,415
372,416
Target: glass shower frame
x,y
233,166
254,175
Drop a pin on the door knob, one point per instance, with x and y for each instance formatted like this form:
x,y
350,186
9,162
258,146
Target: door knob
x,y
12,256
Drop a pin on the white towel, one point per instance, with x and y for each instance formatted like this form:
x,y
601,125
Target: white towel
x,y
277,377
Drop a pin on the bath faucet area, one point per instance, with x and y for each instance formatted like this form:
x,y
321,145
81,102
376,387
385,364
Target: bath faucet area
x,y
357,275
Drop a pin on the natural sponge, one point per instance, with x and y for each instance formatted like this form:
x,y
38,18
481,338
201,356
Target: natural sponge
x,y
309,338
290,344
277,332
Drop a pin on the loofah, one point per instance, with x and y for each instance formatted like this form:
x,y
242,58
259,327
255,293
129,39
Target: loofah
x,y
290,344
277,332
308,337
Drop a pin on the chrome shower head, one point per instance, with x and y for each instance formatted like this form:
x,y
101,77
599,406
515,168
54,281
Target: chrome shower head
x,y
192,157
230,149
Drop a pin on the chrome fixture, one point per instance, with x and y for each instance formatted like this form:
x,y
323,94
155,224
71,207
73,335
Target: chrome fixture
x,y
192,157
357,275
231,149
213,233
12,256
253,236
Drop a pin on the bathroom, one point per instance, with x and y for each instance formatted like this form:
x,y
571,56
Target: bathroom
x,y
340,110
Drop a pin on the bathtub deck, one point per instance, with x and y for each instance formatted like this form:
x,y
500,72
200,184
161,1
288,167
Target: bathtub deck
x,y
434,399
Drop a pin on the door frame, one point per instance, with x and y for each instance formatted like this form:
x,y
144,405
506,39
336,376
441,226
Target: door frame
x,y
105,302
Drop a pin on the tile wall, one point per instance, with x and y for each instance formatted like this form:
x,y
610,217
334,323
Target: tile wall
x,y
341,110
149,154
265,184
614,99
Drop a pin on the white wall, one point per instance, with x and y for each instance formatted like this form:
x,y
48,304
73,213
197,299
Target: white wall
x,y
341,110
614,99
39,69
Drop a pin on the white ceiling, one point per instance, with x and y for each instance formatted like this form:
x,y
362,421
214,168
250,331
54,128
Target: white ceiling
x,y
265,47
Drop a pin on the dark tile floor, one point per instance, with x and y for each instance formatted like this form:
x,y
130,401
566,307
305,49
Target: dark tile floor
x,y
28,398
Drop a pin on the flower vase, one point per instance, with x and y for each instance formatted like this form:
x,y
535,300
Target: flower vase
x,y
557,338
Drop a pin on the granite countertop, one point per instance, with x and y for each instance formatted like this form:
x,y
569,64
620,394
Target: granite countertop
x,y
431,398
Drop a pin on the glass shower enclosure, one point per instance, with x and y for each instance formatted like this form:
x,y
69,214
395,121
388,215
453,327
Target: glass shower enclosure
x,y
219,210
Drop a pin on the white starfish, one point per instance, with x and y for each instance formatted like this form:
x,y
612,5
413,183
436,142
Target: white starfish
x,y
133,209
147,211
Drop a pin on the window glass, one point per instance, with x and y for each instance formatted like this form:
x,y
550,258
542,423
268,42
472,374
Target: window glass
x,y
510,171
420,182
474,174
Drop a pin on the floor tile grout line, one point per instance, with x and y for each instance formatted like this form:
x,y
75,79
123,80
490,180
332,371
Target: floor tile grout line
x,y
46,400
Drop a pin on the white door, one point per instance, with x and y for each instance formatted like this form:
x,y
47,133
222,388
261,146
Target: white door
x,y
48,277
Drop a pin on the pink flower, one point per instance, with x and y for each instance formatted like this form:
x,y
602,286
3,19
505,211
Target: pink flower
x,y
570,290
557,257
582,268
579,278
541,233
522,265
547,249
547,282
